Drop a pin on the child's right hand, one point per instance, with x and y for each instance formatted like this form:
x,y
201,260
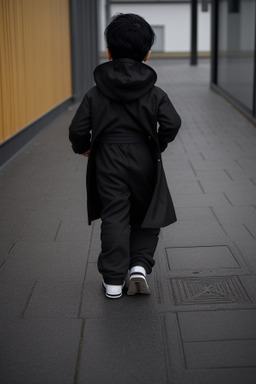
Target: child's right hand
x,y
86,154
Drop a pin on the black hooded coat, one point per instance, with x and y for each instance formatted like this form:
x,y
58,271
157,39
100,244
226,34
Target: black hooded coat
x,y
125,96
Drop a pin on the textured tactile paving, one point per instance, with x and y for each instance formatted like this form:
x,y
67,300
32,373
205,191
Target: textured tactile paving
x,y
208,290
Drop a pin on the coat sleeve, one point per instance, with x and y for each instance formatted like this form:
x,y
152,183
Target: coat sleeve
x,y
80,127
169,122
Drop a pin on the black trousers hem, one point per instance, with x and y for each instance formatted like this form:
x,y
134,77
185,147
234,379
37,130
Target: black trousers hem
x,y
110,281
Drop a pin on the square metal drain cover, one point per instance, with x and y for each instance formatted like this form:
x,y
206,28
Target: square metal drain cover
x,y
209,290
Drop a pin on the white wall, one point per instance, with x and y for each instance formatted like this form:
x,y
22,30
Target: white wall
x,y
174,17
102,24
176,21
204,29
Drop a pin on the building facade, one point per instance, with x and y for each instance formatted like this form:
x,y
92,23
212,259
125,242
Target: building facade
x,y
233,70
48,51
170,19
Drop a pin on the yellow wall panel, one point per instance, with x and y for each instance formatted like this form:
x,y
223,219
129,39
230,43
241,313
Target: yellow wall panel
x,y
35,67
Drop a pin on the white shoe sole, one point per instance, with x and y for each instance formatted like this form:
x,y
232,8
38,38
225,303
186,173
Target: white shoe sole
x,y
138,285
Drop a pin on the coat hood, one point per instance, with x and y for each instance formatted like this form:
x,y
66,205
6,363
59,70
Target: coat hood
x,y
124,79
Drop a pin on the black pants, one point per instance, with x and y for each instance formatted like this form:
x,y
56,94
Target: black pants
x,y
125,181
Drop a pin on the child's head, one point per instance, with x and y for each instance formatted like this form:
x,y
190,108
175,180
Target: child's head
x,y
129,36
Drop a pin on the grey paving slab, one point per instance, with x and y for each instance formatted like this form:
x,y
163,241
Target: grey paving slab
x,y
52,261
220,354
14,297
238,214
217,325
239,232
223,153
244,194
219,175
74,231
188,234
200,200
20,181
176,163
202,258
248,162
52,206
66,208
177,353
195,214
4,248
13,220
123,351
76,210
39,229
241,174
215,165
229,186
176,331
54,299
251,227
179,176
13,200
220,375
39,351
184,186
63,184
249,282
247,245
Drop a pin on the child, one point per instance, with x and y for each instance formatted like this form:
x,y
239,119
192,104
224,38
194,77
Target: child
x,y
115,126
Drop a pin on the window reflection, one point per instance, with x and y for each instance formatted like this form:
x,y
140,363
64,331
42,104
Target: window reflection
x,y
236,42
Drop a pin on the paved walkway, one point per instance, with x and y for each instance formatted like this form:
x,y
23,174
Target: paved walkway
x,y
198,325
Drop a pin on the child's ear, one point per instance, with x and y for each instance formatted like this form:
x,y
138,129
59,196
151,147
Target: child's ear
x,y
147,56
108,54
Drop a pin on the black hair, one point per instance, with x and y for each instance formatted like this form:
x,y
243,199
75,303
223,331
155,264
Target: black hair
x,y
129,36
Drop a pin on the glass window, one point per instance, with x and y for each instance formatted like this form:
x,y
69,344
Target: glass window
x,y
236,44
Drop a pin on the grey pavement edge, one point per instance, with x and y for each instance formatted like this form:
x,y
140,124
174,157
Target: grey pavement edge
x,y
198,325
